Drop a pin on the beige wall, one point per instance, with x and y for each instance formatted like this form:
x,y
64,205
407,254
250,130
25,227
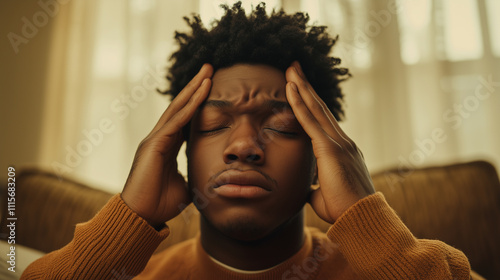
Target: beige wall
x,y
22,81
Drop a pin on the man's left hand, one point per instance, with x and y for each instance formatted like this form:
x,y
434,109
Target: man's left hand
x,y
342,173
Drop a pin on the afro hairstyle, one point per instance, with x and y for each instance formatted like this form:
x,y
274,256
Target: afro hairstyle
x,y
276,40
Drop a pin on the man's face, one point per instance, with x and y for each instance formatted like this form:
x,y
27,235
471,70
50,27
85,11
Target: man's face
x,y
250,163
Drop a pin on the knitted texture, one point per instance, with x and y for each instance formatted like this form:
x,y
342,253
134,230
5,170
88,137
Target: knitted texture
x,y
389,249
368,242
115,239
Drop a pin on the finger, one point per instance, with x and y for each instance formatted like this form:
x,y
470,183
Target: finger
x,y
302,76
316,105
184,115
329,114
306,119
184,96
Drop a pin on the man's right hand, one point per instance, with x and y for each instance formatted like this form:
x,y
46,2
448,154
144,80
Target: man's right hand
x,y
155,188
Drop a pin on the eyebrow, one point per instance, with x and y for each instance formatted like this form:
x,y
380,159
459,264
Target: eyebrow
x,y
220,104
268,104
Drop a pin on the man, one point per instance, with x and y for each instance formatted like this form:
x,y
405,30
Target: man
x,y
260,119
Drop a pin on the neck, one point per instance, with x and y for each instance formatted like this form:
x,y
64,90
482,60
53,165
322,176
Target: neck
x,y
264,253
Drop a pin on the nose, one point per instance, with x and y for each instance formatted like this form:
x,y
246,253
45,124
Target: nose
x,y
244,146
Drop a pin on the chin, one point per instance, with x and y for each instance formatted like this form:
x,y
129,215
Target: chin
x,y
243,228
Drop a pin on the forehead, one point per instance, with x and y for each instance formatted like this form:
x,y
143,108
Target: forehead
x,y
244,82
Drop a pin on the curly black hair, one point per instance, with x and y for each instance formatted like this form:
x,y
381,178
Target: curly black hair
x,y
276,40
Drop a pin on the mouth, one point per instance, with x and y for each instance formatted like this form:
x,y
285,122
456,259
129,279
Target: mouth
x,y
242,184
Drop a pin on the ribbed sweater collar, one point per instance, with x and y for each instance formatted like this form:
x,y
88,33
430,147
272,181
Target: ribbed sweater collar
x,y
204,264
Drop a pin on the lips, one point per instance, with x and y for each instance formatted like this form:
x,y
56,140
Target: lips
x,y
243,178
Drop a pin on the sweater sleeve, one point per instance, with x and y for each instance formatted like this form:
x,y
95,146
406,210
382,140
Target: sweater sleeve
x,y
115,244
378,245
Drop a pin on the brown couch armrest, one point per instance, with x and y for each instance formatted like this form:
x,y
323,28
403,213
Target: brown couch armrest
x,y
49,207
458,204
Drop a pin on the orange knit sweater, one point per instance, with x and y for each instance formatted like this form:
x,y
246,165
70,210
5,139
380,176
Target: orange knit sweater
x,y
368,242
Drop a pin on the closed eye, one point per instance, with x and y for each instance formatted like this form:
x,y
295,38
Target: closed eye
x,y
283,132
212,131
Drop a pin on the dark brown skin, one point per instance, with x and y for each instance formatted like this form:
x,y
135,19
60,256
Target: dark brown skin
x,y
342,173
246,135
155,188
255,125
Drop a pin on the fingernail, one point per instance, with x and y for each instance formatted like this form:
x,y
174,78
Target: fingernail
x,y
299,68
294,87
300,73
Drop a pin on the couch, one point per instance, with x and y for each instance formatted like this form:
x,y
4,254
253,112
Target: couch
x,y
457,203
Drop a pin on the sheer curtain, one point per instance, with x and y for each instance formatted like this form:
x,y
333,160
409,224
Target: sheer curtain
x,y
426,78
109,59
425,86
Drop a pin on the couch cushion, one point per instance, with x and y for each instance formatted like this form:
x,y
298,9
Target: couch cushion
x,y
49,207
458,204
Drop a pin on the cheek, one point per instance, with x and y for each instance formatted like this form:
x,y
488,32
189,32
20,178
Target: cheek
x,y
201,158
295,165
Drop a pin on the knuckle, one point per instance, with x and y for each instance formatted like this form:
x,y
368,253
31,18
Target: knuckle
x,y
315,106
310,117
143,144
351,147
297,102
303,84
